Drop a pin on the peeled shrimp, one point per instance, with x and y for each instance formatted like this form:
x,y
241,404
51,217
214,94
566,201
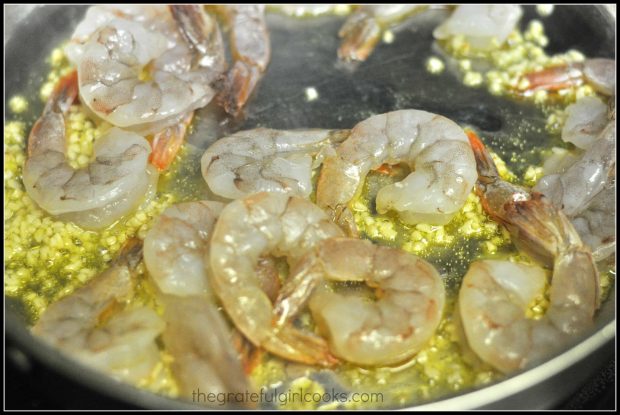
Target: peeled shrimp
x,y
585,191
175,246
113,184
436,149
573,189
484,26
198,339
363,28
495,294
88,325
266,160
196,335
250,229
410,301
146,67
251,52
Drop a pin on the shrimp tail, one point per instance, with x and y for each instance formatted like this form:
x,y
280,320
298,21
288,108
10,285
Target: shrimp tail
x,y
360,35
249,354
202,33
238,85
553,79
64,94
167,143
302,347
48,132
297,290
191,23
487,171
541,230
130,254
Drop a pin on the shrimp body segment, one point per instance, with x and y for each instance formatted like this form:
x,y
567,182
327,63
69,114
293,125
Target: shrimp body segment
x,y
252,228
493,303
442,163
483,25
410,300
175,246
114,183
266,160
89,326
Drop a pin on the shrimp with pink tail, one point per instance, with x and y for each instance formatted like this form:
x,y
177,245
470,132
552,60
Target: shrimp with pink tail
x,y
362,30
96,326
251,229
495,295
116,182
251,52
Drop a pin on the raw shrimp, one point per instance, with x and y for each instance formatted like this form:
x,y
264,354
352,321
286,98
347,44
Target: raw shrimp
x,y
495,294
410,300
585,121
247,230
266,160
146,67
597,223
443,166
584,191
251,52
113,184
200,342
573,189
600,73
196,335
364,27
175,246
484,26
91,325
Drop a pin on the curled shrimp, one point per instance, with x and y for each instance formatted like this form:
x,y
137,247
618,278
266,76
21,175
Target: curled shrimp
x,y
410,299
93,326
443,166
250,229
113,184
251,52
266,160
364,27
484,26
600,73
145,68
495,294
175,246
